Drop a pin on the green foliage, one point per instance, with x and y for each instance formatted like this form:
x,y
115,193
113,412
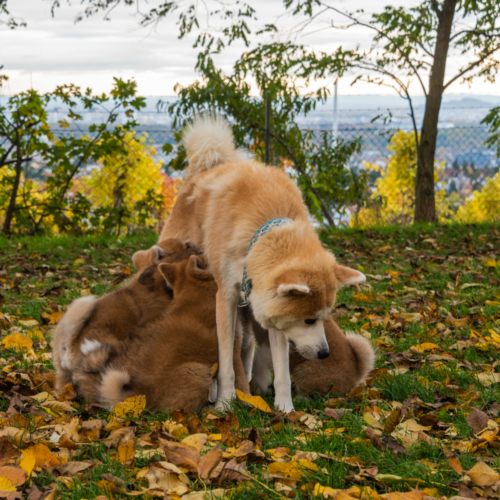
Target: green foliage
x,y
25,137
320,164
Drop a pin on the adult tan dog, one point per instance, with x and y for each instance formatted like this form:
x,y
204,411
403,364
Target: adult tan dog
x,y
290,279
169,358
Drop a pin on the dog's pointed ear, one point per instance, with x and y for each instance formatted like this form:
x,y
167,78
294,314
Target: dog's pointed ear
x,y
198,268
292,289
145,258
348,276
169,272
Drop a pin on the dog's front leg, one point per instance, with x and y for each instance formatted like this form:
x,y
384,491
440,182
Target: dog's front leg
x,y
226,311
282,381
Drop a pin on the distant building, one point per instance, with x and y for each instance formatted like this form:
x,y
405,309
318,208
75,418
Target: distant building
x,y
474,158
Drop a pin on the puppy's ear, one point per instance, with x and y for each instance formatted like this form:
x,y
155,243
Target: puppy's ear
x,y
169,272
348,276
145,258
198,268
292,289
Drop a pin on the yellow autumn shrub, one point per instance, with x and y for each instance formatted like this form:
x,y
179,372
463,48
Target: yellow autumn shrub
x,y
483,205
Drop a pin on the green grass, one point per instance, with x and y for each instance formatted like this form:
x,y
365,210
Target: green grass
x,y
434,265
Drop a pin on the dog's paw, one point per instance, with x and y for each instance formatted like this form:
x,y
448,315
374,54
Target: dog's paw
x,y
224,399
283,404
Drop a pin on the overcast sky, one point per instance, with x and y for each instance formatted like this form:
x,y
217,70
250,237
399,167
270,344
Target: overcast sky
x,y
54,50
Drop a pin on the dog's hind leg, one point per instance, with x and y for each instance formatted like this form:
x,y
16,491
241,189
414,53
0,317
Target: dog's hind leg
x,y
248,339
262,366
282,381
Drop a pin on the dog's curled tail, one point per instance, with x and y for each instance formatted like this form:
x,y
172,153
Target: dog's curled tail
x,y
79,311
364,353
209,142
113,386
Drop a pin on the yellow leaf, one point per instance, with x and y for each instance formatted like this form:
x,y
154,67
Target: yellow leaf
x,y
196,440
372,421
494,336
457,323
17,341
483,475
126,452
6,485
130,407
79,261
426,346
488,378
58,406
43,456
255,401
492,263
362,297
28,461
292,470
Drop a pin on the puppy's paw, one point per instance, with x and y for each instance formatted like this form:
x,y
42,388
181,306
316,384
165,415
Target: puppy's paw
x,y
212,398
224,399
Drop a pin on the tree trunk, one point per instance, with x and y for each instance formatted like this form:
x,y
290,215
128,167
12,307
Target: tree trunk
x,y
9,214
425,203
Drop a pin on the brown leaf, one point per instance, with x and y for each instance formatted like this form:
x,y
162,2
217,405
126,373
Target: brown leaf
x,y
246,447
392,421
385,443
34,493
227,422
209,462
455,465
113,479
233,472
181,454
477,419
126,452
70,468
254,436
66,442
194,425
15,475
7,450
335,414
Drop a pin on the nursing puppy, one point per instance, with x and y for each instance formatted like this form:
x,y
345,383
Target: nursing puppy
x,y
90,321
290,279
351,360
170,358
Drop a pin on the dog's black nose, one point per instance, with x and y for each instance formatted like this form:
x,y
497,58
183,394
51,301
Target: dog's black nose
x,y
324,353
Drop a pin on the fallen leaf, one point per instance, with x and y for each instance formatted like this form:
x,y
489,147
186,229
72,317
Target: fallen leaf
x,y
130,407
208,462
488,378
477,420
424,347
43,456
6,485
126,452
233,472
70,468
182,455
28,461
7,450
196,440
18,342
457,323
483,475
255,401
455,465
16,475
392,421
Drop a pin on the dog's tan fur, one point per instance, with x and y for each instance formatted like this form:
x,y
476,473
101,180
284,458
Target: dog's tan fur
x,y
109,319
221,205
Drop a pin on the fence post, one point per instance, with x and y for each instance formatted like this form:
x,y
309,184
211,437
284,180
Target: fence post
x,y
268,127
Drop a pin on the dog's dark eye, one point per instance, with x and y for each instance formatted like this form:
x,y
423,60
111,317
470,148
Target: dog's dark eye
x,y
310,321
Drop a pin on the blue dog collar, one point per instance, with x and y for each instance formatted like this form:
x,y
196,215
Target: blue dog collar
x,y
246,282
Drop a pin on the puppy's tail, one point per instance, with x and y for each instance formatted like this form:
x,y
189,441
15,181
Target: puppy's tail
x,y
209,142
113,388
68,328
364,354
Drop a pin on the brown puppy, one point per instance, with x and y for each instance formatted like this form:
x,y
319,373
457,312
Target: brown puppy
x,y
90,321
351,359
170,358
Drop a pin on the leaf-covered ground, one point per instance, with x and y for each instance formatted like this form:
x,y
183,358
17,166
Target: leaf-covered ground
x,y
426,425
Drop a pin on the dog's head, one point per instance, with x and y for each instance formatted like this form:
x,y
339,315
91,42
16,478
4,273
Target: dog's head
x,y
190,280
170,251
296,297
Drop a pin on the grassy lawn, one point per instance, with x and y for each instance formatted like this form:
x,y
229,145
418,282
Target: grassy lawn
x,y
429,414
